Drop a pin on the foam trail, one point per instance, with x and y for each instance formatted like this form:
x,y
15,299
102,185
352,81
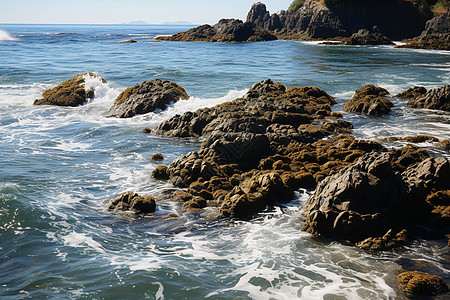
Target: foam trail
x,y
5,36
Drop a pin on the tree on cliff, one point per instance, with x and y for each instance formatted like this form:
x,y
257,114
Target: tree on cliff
x,y
296,5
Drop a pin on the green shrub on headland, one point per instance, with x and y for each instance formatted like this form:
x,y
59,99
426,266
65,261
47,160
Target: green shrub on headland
x,y
296,5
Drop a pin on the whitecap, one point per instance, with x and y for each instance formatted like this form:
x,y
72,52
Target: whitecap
x,y
5,36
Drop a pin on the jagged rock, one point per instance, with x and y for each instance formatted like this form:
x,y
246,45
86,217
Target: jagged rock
x,y
387,242
434,99
435,36
134,202
71,92
369,100
370,197
412,93
226,30
365,37
419,283
146,97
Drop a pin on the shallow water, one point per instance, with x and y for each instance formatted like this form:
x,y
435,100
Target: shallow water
x,y
61,166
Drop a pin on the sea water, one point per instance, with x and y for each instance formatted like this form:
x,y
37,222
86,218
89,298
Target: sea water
x,y
60,166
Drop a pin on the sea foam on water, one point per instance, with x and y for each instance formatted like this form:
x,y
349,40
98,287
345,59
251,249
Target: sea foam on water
x,y
5,36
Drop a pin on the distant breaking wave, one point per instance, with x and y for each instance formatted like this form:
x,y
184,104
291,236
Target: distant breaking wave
x,y
5,36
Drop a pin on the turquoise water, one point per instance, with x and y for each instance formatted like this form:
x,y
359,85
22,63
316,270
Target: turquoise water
x,y
59,167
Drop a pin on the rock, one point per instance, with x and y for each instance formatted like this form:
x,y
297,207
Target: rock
x,y
128,41
435,36
160,172
387,242
226,30
369,100
157,157
134,202
365,37
434,99
412,93
146,97
419,283
336,19
420,139
71,92
147,130
369,197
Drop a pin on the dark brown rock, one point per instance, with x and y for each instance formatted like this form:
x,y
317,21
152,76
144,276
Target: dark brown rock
x,y
134,202
370,100
71,92
160,172
157,157
365,37
226,30
387,242
434,99
418,283
146,97
412,93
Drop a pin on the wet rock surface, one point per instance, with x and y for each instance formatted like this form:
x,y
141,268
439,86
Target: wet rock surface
x,y
130,201
370,100
434,99
146,97
71,92
416,283
381,191
226,30
412,93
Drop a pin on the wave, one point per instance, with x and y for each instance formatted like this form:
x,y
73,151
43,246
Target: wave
x,y
5,36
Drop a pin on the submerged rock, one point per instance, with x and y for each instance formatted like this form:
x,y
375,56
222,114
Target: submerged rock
x,y
146,97
226,30
434,99
365,37
157,157
71,92
133,202
370,101
418,283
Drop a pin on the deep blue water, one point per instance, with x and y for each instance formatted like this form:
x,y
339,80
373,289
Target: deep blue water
x,y
59,167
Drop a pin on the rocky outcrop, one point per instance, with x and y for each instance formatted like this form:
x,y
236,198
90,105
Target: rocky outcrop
x,y
71,92
416,283
365,37
329,19
226,30
369,100
412,93
435,36
387,242
434,99
374,195
260,148
130,201
146,97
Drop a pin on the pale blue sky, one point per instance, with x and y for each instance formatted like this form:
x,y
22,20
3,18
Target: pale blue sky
x,y
121,11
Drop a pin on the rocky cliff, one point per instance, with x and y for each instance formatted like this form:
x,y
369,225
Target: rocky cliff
x,y
396,19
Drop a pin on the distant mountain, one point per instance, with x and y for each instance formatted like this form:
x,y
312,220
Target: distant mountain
x,y
136,23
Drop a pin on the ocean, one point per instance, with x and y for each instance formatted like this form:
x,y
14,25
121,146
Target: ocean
x,y
60,166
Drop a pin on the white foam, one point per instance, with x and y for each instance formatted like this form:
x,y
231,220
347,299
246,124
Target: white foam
x,y
77,240
5,36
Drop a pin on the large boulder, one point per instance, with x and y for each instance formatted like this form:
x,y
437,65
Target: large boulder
x,y
72,92
365,37
146,97
434,99
370,197
226,30
412,93
369,100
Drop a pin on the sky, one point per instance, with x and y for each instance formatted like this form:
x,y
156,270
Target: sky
x,y
124,11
